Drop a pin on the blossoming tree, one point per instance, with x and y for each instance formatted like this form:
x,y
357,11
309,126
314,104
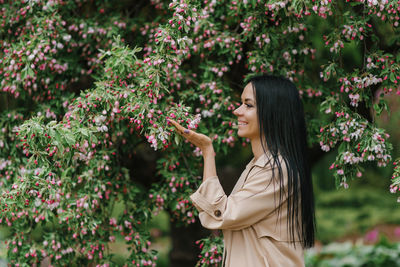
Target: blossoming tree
x,y
85,83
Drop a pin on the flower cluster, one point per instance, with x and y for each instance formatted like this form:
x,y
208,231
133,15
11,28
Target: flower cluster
x,y
355,85
175,190
359,142
395,185
385,10
310,92
211,252
25,66
351,32
323,9
355,31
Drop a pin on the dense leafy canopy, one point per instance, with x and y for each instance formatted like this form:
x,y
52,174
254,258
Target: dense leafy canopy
x,y
85,83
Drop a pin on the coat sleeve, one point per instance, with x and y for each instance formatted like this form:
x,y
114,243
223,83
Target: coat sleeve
x,y
256,200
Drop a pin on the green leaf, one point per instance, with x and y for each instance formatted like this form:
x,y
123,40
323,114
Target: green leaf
x,y
177,139
69,138
378,108
392,77
342,147
84,132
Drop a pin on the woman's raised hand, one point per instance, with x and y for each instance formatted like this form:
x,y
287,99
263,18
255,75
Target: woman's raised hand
x,y
200,140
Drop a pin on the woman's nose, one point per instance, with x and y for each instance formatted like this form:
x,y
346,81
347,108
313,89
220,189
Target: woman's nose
x,y
236,112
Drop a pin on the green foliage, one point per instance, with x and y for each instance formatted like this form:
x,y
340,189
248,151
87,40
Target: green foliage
x,y
211,251
381,254
345,213
92,81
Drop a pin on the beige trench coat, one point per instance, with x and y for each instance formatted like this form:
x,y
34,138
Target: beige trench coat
x,y
254,235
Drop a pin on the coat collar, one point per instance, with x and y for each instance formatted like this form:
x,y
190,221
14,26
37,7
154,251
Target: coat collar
x,y
262,161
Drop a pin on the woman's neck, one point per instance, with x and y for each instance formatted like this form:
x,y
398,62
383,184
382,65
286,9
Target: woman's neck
x,y
257,148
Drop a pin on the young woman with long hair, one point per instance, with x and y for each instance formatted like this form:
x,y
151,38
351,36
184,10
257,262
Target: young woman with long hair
x,y
268,219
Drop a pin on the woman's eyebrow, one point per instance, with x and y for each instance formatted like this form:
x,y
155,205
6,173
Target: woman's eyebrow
x,y
248,99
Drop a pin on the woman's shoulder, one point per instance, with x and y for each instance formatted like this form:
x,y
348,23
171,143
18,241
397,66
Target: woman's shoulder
x,y
267,161
267,169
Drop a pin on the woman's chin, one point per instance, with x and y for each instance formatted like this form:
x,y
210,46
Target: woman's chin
x,y
241,134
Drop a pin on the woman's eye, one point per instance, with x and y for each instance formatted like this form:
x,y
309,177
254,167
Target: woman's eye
x,y
249,106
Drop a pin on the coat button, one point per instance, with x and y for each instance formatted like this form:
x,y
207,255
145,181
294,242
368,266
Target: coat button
x,y
217,213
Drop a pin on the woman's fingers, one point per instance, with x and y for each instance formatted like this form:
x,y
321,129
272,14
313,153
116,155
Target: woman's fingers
x,y
199,140
177,126
180,129
190,135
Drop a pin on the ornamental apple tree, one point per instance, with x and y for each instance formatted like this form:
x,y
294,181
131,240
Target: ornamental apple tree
x,y
86,83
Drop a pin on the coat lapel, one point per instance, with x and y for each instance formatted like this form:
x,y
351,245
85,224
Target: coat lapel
x,y
243,176
260,162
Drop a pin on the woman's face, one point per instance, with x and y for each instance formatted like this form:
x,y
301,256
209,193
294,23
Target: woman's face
x,y
247,115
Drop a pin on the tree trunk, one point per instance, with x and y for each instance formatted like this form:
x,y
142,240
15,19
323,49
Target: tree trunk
x,y
184,251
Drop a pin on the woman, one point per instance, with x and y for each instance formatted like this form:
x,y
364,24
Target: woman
x,y
268,219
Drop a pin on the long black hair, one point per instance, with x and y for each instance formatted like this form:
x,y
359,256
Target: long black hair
x,y
283,131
